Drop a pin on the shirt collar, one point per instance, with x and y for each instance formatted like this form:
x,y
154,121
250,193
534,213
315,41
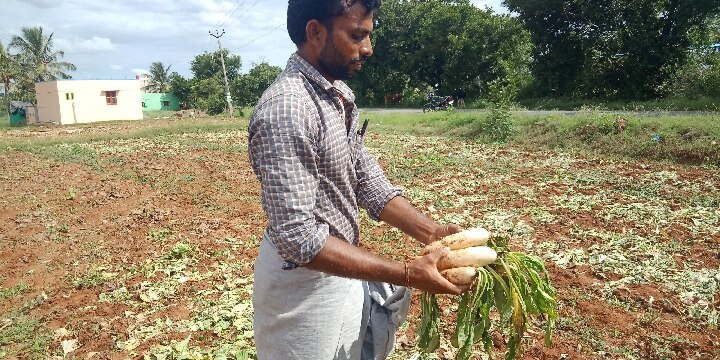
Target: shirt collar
x,y
297,63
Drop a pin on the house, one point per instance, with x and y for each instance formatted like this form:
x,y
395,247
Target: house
x,y
66,102
144,81
160,101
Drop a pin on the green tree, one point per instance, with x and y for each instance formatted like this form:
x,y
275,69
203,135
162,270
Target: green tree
x,y
207,65
609,48
10,71
159,77
207,88
180,86
387,70
487,48
38,56
208,95
700,75
707,33
247,89
445,44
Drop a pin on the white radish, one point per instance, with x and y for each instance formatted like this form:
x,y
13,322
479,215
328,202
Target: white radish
x,y
461,240
461,275
475,256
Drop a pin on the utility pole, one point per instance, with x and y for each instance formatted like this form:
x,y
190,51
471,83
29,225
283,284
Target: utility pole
x,y
217,36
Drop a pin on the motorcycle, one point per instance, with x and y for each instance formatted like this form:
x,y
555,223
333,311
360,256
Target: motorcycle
x,y
437,102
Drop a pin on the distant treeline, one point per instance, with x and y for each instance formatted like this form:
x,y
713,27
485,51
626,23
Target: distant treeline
x,y
605,50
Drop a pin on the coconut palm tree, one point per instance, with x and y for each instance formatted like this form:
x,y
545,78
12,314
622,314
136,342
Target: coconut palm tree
x,y
37,51
159,77
10,71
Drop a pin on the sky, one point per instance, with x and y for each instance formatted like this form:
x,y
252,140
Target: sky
x,y
118,39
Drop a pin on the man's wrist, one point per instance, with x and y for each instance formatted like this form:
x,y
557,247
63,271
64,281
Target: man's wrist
x,y
407,275
436,229
429,229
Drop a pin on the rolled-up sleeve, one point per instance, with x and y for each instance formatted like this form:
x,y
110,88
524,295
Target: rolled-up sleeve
x,y
374,190
284,156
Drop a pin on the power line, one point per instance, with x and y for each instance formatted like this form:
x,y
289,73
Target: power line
x,y
207,43
261,36
222,22
224,16
242,5
246,11
231,12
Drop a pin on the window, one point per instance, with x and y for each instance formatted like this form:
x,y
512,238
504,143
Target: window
x,y
69,96
111,97
165,103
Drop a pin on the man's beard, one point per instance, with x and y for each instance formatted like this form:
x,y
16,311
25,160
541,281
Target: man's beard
x,y
331,62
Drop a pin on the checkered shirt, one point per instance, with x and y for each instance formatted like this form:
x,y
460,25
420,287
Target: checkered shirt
x,y
315,174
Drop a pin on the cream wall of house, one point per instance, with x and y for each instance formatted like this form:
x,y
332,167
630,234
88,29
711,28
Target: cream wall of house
x,y
85,101
31,115
48,105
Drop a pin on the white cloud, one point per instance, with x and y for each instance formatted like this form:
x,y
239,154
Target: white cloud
x,y
212,18
92,44
140,71
216,13
43,3
116,67
215,6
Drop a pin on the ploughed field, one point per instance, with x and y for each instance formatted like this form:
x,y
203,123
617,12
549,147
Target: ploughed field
x,y
137,240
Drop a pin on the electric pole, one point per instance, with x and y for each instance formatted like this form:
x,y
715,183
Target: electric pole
x,y
217,36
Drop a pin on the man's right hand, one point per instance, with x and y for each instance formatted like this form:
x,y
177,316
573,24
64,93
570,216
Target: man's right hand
x,y
424,275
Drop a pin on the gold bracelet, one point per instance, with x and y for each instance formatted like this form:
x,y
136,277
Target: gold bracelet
x,y
407,275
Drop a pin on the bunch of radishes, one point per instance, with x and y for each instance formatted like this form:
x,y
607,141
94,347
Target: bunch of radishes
x,y
513,284
467,253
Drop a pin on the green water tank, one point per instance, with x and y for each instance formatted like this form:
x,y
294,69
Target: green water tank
x,y
17,118
17,113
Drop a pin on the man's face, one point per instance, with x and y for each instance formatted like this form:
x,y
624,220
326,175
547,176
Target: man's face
x,y
348,43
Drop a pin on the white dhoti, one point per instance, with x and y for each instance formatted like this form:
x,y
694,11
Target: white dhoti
x,y
302,314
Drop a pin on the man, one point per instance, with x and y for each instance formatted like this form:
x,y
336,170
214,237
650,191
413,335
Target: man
x,y
305,148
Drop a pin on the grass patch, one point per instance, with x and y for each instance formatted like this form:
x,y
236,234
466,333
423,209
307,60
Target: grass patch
x,y
85,145
683,139
158,114
7,293
657,135
666,104
660,136
661,347
149,129
92,278
24,337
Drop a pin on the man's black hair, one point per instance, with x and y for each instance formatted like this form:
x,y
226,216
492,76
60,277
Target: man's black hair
x,y
301,11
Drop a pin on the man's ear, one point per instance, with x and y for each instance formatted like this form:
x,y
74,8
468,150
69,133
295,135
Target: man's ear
x,y
316,33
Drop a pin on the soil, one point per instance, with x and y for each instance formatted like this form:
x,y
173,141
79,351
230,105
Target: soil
x,y
60,221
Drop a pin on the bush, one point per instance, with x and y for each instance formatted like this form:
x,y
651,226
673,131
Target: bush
x,y
498,127
413,97
478,103
700,77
